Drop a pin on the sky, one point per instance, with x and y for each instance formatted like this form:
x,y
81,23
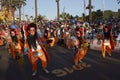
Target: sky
x,y
73,7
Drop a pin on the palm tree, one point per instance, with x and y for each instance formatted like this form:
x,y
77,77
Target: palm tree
x,y
12,5
5,4
90,10
40,19
58,9
20,4
17,4
118,1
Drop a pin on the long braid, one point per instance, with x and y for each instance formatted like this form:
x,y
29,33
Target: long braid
x,y
32,41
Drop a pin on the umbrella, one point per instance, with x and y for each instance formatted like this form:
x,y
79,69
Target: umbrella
x,y
14,26
86,23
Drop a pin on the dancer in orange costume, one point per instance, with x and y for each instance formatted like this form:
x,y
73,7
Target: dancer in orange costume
x,y
67,38
35,48
15,44
44,38
1,37
51,36
82,48
108,43
1,40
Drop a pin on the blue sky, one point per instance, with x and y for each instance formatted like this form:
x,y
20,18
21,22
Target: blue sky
x,y
73,7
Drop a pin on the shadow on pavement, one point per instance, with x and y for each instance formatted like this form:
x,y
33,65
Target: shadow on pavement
x,y
18,69
0,57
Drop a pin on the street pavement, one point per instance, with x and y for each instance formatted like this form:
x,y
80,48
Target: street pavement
x,y
61,66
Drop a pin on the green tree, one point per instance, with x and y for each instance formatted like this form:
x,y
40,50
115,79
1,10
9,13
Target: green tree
x,y
99,14
65,16
7,5
94,16
40,19
118,15
83,17
12,5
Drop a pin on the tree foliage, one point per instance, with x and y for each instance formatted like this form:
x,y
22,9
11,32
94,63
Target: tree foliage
x,y
118,1
12,5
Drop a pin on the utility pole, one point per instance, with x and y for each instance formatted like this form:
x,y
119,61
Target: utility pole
x,y
58,9
36,12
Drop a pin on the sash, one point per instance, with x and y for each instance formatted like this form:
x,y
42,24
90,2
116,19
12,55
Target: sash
x,y
43,48
106,42
38,52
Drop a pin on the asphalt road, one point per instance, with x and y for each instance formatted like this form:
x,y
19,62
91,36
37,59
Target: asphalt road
x,y
61,66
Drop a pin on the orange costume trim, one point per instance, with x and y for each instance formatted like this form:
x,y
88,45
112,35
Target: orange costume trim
x,y
67,40
34,56
1,41
81,51
108,47
53,42
15,48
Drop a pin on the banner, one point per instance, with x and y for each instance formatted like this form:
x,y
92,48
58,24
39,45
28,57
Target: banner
x,y
96,45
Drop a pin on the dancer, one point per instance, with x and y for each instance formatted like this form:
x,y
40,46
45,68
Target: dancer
x,y
108,43
82,48
35,48
15,44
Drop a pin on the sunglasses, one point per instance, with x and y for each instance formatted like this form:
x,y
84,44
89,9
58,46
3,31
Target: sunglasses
x,y
32,29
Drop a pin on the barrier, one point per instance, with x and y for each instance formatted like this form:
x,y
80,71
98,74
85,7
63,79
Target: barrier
x,y
94,44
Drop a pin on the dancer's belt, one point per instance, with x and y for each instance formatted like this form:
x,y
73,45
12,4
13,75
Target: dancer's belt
x,y
106,42
84,45
37,54
17,46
